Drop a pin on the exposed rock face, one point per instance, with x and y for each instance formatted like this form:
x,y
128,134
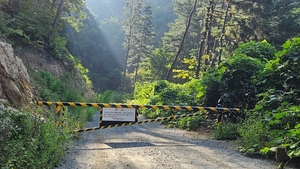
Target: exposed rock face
x,y
14,79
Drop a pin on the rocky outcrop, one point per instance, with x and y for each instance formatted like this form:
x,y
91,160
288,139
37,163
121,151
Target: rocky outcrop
x,y
14,79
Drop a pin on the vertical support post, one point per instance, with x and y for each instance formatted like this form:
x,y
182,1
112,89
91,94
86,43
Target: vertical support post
x,y
220,117
137,111
100,120
63,116
57,115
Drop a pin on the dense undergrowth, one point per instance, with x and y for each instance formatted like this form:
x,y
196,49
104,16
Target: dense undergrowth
x,y
31,138
257,78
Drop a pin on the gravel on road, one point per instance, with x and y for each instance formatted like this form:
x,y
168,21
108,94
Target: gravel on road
x,y
153,145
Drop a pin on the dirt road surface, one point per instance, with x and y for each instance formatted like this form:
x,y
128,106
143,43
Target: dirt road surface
x,y
154,146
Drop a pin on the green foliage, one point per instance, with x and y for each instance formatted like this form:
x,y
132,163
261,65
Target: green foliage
x,y
143,92
51,88
110,96
166,93
189,123
26,22
58,46
211,86
254,133
274,124
190,72
226,131
237,88
260,50
30,141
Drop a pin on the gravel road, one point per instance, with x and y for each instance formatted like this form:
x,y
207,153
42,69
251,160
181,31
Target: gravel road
x,y
153,145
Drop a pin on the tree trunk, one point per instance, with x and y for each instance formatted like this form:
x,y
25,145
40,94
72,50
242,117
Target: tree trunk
x,y
156,73
125,64
223,34
182,42
58,14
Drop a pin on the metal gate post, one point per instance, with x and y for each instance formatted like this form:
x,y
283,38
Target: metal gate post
x,y
220,117
57,115
100,120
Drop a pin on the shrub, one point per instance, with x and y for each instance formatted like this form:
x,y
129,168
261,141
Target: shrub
x,y
29,141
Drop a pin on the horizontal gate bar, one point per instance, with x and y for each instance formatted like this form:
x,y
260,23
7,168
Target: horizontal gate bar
x,y
165,107
141,122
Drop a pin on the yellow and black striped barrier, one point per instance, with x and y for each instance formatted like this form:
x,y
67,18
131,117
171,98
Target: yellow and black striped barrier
x,y
141,122
220,111
165,107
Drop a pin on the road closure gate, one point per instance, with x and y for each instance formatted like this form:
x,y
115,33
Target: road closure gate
x,y
117,115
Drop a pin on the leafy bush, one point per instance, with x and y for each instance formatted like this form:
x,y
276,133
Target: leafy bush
x,y
29,141
274,126
226,131
190,123
237,87
260,50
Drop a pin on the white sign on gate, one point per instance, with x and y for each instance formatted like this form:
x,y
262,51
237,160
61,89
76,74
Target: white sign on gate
x,y
118,114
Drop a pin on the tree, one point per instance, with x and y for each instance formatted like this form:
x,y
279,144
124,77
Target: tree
x,y
183,39
73,14
57,17
137,33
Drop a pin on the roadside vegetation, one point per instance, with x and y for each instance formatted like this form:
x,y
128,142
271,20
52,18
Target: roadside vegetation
x,y
238,54
257,78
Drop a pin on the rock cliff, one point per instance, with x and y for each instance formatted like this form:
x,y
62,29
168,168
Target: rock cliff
x,y
15,85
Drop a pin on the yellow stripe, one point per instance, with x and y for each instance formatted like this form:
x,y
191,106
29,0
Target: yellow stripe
x,y
213,109
106,105
102,127
189,108
109,126
154,107
57,109
142,106
94,128
181,116
177,108
166,107
118,106
149,120
95,105
116,125
123,124
130,124
72,104
49,103
83,104
130,106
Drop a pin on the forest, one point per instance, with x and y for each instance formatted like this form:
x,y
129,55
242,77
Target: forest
x,y
241,54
